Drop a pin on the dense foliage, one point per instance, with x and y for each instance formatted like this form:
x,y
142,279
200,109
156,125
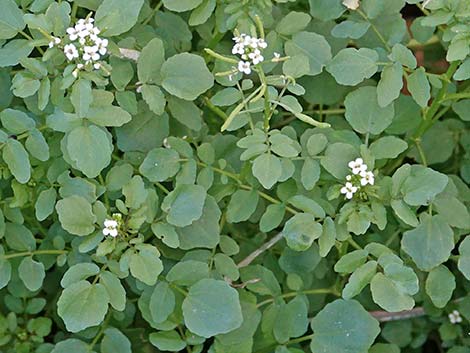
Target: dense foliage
x,y
234,176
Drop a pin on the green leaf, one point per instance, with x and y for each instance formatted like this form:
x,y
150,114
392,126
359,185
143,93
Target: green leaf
x,y
117,16
422,185
162,302
242,205
114,341
83,305
207,228
463,72
45,204
135,192
453,211
440,285
186,76
16,121
116,292
461,108
71,345
350,262
343,326
160,164
186,273
154,97
20,238
150,62
359,279
212,307
31,273
352,66
267,169
312,46
76,215
146,265
429,244
81,97
37,145
187,113
350,29
89,147
390,84
325,10
404,212
5,273
292,23
301,230
15,50
404,56
464,258
181,5
419,87
272,217
388,295
16,157
328,237
202,13
108,116
388,147
79,272
310,173
364,113
336,159
11,20
292,320
184,204
167,341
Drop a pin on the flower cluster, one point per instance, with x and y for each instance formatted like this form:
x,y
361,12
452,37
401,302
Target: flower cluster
x,y
249,48
111,226
85,47
359,178
454,317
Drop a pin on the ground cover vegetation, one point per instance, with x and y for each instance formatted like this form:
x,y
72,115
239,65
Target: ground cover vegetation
x,y
234,176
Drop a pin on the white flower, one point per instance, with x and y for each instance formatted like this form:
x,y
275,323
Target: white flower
x,y
349,190
110,227
238,48
244,67
351,4
75,73
262,43
357,166
103,45
54,41
71,52
348,177
256,57
454,317
73,33
239,39
367,178
277,55
97,66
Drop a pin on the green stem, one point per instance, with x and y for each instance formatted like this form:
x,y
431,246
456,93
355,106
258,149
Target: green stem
x,y
300,339
103,327
154,11
306,292
219,112
32,253
375,29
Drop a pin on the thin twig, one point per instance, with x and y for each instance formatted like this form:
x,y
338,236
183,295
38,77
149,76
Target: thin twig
x,y
250,258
